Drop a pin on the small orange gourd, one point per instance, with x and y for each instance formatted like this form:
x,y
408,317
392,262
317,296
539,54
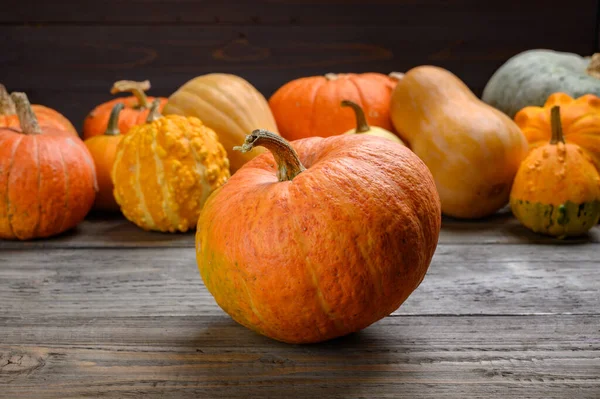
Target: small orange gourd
x,y
137,108
580,121
165,169
103,149
557,188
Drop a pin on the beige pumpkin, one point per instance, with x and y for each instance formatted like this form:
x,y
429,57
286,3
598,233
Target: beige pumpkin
x,y
229,105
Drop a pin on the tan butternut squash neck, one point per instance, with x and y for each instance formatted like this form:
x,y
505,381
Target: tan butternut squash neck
x,y
557,132
27,119
288,163
112,129
154,113
7,105
593,68
361,121
138,89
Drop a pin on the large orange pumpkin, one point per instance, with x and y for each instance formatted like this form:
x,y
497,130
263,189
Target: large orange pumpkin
x,y
103,149
137,108
310,106
321,239
45,116
580,123
47,178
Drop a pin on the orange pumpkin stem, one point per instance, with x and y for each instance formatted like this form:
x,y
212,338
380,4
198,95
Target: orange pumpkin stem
x,y
138,89
361,121
27,119
288,163
593,68
7,106
154,113
557,132
112,129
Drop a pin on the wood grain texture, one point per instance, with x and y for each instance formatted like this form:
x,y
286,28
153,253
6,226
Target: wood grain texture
x,y
212,357
462,280
69,55
113,231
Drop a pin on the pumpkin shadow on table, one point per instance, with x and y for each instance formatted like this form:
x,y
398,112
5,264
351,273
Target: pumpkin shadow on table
x,y
250,365
503,228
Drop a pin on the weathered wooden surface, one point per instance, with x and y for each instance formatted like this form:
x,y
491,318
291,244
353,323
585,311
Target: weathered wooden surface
x,y
66,54
501,313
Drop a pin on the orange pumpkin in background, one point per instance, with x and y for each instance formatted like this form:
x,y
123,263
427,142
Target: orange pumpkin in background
x,y
48,176
137,108
321,239
580,120
103,149
310,106
45,116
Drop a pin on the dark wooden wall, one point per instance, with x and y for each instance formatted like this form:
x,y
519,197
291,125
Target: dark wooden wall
x,y
66,54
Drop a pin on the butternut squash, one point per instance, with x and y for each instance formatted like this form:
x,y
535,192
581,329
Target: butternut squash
x,y
472,149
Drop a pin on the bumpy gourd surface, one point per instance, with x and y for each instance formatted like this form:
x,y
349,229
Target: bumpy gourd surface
x,y
328,253
557,191
165,170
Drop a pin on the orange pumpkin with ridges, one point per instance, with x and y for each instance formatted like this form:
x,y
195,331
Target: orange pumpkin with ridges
x,y
137,108
310,106
47,178
45,116
580,120
319,238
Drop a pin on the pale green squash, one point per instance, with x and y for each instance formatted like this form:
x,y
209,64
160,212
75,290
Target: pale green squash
x,y
530,77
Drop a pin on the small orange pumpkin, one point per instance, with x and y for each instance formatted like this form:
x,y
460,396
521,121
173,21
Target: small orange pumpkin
x,y
320,238
103,149
47,178
137,108
45,116
310,106
580,120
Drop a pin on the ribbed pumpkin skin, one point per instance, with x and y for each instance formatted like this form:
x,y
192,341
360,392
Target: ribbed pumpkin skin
x,y
229,105
580,123
46,117
47,183
472,149
95,122
557,191
334,250
165,170
310,106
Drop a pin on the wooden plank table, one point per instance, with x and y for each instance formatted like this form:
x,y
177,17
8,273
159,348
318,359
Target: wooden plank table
x,y
110,311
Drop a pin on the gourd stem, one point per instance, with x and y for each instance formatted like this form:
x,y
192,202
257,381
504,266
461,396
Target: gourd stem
x,y
138,89
27,119
396,75
331,76
154,113
288,163
593,68
361,121
112,129
557,132
7,106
